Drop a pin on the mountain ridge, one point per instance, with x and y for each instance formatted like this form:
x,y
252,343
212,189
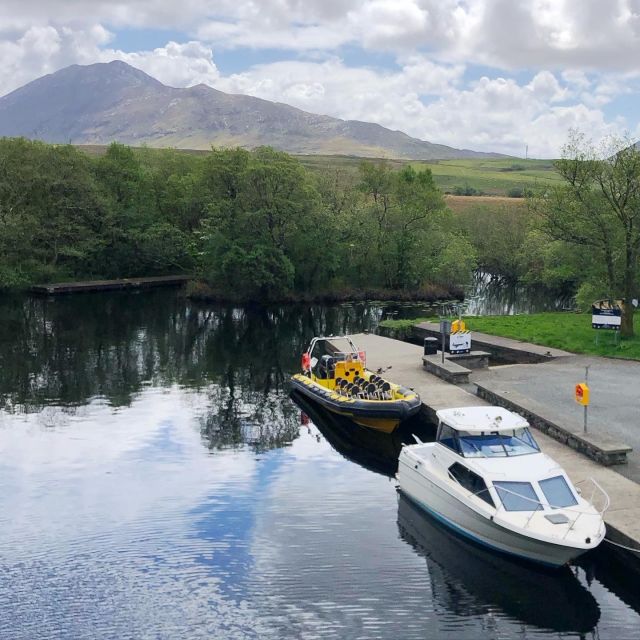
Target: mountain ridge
x,y
103,102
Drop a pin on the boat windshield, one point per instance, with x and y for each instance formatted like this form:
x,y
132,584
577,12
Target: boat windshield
x,y
518,442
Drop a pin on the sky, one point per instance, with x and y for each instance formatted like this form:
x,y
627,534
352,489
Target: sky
x,y
512,76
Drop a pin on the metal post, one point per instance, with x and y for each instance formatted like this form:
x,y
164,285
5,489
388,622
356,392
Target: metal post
x,y
445,330
586,407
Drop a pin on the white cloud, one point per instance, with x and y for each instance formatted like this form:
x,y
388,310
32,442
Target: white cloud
x,y
491,113
178,65
42,50
581,34
384,23
545,86
583,57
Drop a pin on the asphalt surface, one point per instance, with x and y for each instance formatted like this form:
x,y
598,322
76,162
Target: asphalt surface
x,y
614,409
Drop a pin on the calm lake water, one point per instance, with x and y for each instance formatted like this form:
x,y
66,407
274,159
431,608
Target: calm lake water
x,y
158,482
485,295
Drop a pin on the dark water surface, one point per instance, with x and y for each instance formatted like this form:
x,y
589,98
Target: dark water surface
x,y
156,482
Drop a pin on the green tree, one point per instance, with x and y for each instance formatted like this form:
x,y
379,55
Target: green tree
x,y
498,233
598,208
49,211
404,218
149,213
260,208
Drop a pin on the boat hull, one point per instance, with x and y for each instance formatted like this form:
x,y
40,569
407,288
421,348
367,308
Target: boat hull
x,y
381,415
466,521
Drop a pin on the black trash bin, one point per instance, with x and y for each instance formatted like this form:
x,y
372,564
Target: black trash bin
x,y
430,346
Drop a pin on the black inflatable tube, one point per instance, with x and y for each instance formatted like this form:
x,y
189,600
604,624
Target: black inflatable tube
x,y
390,409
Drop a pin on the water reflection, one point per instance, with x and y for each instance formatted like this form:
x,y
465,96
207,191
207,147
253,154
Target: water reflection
x,y
486,295
66,351
373,450
469,581
156,483
489,295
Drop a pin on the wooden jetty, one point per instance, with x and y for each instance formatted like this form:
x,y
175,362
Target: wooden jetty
x,y
405,360
109,285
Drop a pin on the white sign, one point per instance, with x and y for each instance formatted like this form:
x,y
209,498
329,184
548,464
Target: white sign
x,y
460,342
599,321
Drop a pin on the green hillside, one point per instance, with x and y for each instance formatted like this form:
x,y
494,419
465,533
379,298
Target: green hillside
x,y
481,176
493,177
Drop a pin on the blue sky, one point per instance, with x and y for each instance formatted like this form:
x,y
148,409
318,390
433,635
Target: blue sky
x,y
492,75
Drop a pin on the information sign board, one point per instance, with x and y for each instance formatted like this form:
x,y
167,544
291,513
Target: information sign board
x,y
460,342
606,314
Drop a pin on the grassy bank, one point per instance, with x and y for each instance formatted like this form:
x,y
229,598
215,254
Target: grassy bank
x,y
568,331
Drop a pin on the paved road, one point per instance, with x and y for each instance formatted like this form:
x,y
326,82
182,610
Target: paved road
x,y
615,396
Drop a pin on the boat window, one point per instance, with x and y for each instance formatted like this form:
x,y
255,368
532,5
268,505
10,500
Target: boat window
x,y
557,492
518,496
471,481
447,437
516,442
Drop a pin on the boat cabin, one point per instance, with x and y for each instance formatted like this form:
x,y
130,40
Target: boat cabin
x,y
478,438
485,432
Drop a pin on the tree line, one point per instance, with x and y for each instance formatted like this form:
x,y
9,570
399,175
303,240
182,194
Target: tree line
x,y
252,224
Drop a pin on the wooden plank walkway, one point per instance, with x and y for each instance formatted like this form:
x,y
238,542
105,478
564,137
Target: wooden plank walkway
x,y
405,360
109,285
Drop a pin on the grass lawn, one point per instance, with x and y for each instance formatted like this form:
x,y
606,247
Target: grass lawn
x,y
568,331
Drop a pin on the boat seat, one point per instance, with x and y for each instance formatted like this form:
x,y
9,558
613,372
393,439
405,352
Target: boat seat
x,y
326,367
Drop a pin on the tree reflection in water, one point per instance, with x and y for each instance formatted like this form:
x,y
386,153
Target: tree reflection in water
x,y
64,352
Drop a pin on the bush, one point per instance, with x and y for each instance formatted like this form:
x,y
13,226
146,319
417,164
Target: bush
x,y
467,190
589,292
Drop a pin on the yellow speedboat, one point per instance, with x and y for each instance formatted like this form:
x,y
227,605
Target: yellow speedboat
x,y
334,374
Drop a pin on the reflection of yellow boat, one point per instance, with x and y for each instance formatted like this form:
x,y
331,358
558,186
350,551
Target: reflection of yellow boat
x,y
373,450
335,376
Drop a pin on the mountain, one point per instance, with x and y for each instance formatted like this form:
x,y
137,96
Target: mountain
x,y
100,103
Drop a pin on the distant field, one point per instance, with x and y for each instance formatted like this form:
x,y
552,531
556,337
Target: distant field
x,y
490,177
462,204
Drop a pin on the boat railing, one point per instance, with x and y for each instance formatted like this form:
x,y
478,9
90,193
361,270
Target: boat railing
x,y
580,513
596,492
541,505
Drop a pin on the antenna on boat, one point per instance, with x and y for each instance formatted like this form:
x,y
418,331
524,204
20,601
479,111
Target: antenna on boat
x,y
415,437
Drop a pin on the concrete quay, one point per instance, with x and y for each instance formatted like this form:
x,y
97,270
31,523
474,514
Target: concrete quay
x,y
405,360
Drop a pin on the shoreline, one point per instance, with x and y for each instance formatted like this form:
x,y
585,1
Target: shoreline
x,y
200,291
432,294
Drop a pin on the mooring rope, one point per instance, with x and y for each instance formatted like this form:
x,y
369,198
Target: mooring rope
x,y
623,546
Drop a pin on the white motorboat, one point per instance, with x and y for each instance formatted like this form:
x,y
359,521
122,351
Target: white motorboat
x,y
486,478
